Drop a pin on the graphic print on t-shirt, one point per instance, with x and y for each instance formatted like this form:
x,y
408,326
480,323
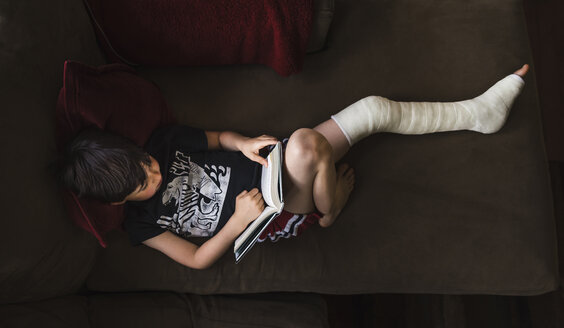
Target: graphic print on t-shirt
x,y
196,195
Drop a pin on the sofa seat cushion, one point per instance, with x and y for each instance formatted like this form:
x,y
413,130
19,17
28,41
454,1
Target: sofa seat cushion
x,y
165,309
66,311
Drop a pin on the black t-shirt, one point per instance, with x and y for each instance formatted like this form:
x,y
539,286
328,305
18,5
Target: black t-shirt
x,y
197,195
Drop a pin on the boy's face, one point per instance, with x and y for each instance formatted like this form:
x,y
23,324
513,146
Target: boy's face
x,y
150,187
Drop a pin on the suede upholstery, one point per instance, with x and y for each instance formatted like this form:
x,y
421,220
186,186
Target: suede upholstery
x,y
165,309
449,213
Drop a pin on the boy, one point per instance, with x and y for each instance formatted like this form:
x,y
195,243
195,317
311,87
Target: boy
x,y
182,184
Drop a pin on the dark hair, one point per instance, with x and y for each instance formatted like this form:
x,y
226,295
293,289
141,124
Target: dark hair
x,y
101,165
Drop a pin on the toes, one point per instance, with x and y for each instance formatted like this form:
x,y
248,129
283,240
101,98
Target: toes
x,y
349,186
342,169
346,176
351,183
522,71
349,174
349,179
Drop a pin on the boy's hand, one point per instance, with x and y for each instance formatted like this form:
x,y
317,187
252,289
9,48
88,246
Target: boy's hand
x,y
250,148
248,206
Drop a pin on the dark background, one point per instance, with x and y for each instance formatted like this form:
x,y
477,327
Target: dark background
x,y
545,23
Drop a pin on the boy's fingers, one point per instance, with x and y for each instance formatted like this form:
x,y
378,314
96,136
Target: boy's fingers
x,y
258,195
260,160
242,193
267,138
268,142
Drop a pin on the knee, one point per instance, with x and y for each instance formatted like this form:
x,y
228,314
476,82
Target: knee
x,y
309,146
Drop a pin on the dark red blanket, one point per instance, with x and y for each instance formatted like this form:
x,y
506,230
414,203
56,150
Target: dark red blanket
x,y
204,32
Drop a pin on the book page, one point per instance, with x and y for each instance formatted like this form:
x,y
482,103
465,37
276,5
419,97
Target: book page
x,y
271,178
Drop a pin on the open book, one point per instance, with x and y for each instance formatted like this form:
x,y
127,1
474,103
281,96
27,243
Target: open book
x,y
271,188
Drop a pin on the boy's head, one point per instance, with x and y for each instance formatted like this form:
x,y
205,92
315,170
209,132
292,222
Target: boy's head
x,y
108,167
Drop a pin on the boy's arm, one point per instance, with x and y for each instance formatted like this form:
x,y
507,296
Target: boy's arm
x,y
248,207
189,254
234,141
226,140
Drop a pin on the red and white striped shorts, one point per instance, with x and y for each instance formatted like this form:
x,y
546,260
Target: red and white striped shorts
x,y
288,225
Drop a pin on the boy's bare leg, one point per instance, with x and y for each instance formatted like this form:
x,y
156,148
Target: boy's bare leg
x,y
345,175
344,187
310,179
331,131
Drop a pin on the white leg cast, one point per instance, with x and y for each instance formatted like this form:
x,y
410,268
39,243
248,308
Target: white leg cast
x,y
486,113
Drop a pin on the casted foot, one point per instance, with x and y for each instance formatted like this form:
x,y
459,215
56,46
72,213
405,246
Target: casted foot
x,y
345,185
490,109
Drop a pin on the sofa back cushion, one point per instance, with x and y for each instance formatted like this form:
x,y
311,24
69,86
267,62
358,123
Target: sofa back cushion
x,y
192,33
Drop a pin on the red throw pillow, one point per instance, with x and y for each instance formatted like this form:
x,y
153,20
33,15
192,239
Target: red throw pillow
x,y
110,97
204,32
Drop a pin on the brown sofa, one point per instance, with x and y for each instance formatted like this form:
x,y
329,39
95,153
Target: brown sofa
x,y
449,213
167,309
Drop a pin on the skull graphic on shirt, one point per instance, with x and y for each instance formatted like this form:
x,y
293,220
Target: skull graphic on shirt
x,y
197,194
